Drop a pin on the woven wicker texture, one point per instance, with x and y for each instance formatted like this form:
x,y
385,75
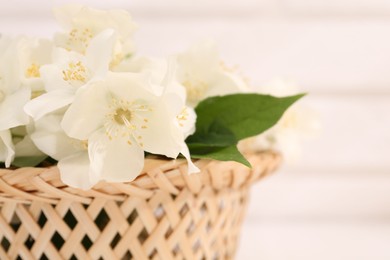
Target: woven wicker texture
x,y
163,214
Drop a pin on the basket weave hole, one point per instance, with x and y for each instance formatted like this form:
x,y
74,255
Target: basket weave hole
x,y
42,220
29,242
208,227
5,244
169,232
196,245
175,250
191,228
159,212
183,211
57,240
127,256
143,235
102,219
153,254
115,240
221,205
86,242
203,209
70,219
132,217
15,222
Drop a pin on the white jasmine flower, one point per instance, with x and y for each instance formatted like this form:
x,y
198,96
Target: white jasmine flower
x,y
120,119
32,54
82,24
69,71
71,154
164,71
201,72
13,96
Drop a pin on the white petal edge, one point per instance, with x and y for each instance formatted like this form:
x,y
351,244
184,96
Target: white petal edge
x,y
7,152
11,109
190,165
87,112
187,124
99,52
49,102
162,135
49,137
75,171
115,160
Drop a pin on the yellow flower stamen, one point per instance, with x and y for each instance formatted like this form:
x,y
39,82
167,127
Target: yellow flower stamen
x,y
33,71
126,119
75,72
195,89
79,37
183,116
116,60
122,116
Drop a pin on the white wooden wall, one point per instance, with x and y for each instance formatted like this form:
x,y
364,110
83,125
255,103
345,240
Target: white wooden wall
x,y
335,203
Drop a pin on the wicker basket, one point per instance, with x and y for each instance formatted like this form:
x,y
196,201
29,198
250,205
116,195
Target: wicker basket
x,y
163,214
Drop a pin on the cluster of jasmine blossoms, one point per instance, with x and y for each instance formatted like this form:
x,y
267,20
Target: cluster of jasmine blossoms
x,y
86,100
20,80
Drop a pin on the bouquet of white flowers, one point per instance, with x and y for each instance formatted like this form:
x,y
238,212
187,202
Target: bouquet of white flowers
x,y
84,103
87,101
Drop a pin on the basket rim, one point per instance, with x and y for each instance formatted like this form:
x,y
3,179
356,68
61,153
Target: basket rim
x,y
28,184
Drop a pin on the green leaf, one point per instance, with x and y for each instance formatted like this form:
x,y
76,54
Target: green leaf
x,y
28,161
229,153
245,115
224,120
215,135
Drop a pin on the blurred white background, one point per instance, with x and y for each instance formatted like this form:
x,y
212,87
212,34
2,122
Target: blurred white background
x,y
335,202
